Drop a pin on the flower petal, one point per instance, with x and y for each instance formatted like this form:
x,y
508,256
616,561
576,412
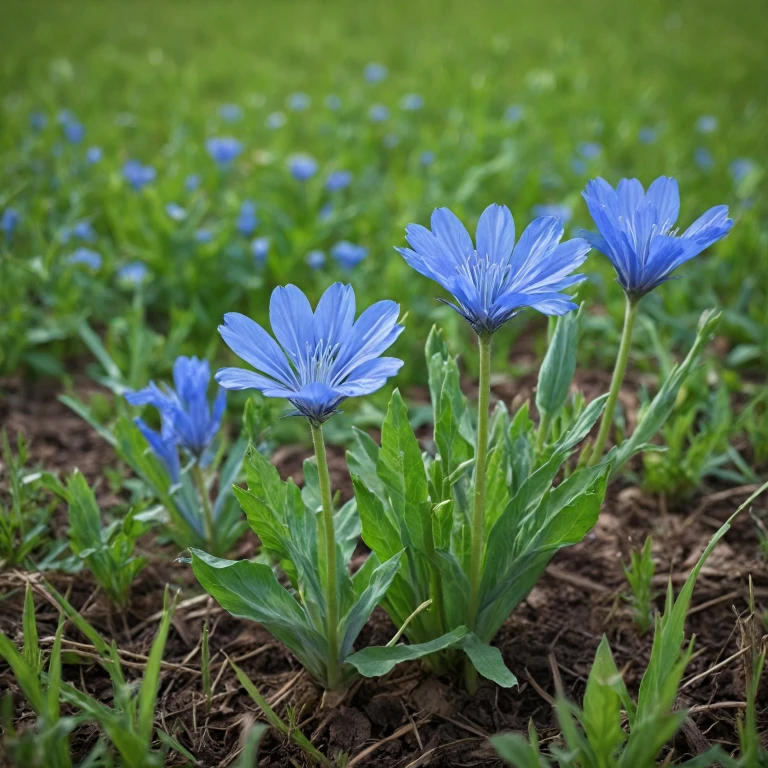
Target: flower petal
x,y
292,320
240,378
335,314
370,376
495,234
249,341
664,195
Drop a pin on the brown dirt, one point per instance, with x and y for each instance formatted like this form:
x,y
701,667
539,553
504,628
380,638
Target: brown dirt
x,y
409,718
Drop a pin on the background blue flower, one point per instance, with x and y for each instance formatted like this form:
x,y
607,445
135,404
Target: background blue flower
x,y
378,113
247,221
302,167
230,113
93,155
175,211
375,72
138,175
260,249
134,273
223,149
86,256
635,230
298,102
315,259
185,413
338,180
348,255
497,280
9,221
320,358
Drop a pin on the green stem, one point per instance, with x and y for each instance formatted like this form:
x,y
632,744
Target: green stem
x,y
478,511
630,315
541,437
197,475
329,547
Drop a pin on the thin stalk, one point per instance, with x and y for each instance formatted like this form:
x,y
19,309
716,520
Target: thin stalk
x,y
630,315
478,511
541,438
197,476
329,546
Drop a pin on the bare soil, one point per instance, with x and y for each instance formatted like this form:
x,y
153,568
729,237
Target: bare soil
x,y
409,718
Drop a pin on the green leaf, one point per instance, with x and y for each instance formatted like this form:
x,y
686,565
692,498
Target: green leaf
x,y
378,531
487,661
380,659
362,609
251,591
519,753
559,365
401,470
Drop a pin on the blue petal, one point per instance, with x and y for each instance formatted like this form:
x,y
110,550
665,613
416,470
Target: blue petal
x,y
163,447
249,341
454,241
495,233
374,331
538,241
664,194
292,321
370,376
240,378
335,314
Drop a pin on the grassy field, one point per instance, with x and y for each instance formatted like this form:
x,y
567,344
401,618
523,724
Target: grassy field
x,y
124,241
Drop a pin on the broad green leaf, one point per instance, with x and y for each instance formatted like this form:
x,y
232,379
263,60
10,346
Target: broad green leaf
x,y
379,533
559,365
361,611
487,661
401,469
378,660
518,752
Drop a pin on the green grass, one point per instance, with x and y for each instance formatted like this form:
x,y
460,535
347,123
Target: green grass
x,y
147,81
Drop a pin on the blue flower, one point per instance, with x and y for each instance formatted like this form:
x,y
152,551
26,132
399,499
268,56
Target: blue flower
x,y
204,235
647,135
275,120
589,150
247,221
561,212
741,168
375,73
82,230
322,358
302,167
411,102
223,149
93,155
176,212
426,158
91,259
378,113
9,221
138,175
74,131
635,230
134,273
338,180
348,255
333,102
188,419
703,158
514,114
260,249
38,120
315,259
230,113
706,124
497,279
192,182
578,166
298,102
326,212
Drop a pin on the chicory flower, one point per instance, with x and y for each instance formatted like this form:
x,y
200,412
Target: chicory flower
x,y
378,113
375,73
302,167
636,231
223,149
138,175
496,279
260,249
187,417
348,255
9,221
93,155
230,113
338,180
298,102
86,256
176,212
134,273
315,259
247,221
320,358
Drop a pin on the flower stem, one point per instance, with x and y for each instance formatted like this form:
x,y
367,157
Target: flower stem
x,y
630,315
197,475
329,549
478,511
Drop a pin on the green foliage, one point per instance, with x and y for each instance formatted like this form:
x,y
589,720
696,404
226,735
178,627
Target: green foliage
x,y
107,552
419,503
128,724
593,736
287,522
639,574
24,517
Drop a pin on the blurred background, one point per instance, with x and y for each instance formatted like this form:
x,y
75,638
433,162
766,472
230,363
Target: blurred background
x,y
165,162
